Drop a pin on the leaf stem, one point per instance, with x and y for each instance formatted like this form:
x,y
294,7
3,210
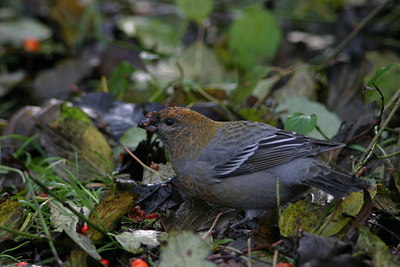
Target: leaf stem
x,y
321,132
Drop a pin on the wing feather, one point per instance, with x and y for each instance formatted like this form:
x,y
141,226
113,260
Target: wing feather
x,y
272,150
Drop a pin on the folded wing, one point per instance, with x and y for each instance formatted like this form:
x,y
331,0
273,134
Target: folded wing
x,y
269,150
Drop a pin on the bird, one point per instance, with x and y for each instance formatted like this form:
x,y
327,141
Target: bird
x,y
245,165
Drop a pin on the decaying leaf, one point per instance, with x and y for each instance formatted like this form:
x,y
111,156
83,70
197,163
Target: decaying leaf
x,y
137,241
66,132
77,258
373,245
108,212
62,217
11,216
185,249
301,84
336,221
82,241
300,215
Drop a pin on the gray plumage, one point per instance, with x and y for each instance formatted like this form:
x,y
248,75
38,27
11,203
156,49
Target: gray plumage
x,y
242,164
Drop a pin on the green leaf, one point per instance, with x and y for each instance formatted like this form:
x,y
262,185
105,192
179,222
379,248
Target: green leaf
x,y
196,10
120,79
387,79
159,33
132,137
301,123
328,122
356,147
254,37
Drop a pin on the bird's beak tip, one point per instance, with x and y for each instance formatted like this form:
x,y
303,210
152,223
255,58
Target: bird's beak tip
x,y
147,125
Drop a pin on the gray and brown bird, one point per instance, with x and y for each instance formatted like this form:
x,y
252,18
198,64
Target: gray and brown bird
x,y
242,164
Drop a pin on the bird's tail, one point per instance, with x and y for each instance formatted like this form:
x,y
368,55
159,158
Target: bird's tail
x,y
337,183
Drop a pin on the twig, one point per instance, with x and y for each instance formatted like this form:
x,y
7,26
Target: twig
x,y
389,156
208,234
142,164
249,251
382,104
245,254
385,229
367,154
277,243
275,260
392,100
354,33
181,72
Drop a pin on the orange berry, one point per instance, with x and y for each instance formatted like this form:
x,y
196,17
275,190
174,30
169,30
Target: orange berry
x,y
22,263
84,229
105,262
138,263
284,264
31,45
151,216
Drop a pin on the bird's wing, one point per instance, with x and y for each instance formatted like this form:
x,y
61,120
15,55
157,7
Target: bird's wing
x,y
269,150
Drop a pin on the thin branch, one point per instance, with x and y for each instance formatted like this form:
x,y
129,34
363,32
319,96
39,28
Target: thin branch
x,y
208,234
389,156
142,164
249,251
240,253
367,154
275,259
382,104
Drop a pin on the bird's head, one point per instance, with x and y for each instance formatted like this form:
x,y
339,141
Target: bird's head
x,y
178,127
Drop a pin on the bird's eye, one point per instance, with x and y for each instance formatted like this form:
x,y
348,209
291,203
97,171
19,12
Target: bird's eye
x,y
169,122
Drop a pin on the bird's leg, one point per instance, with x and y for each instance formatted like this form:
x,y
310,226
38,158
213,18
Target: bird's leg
x,y
249,216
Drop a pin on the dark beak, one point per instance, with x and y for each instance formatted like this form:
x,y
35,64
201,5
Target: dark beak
x,y
147,124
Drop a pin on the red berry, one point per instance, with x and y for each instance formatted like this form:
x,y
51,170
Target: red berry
x,y
31,45
138,263
84,229
284,264
105,262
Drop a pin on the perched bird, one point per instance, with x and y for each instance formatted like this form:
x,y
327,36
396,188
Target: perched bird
x,y
244,164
